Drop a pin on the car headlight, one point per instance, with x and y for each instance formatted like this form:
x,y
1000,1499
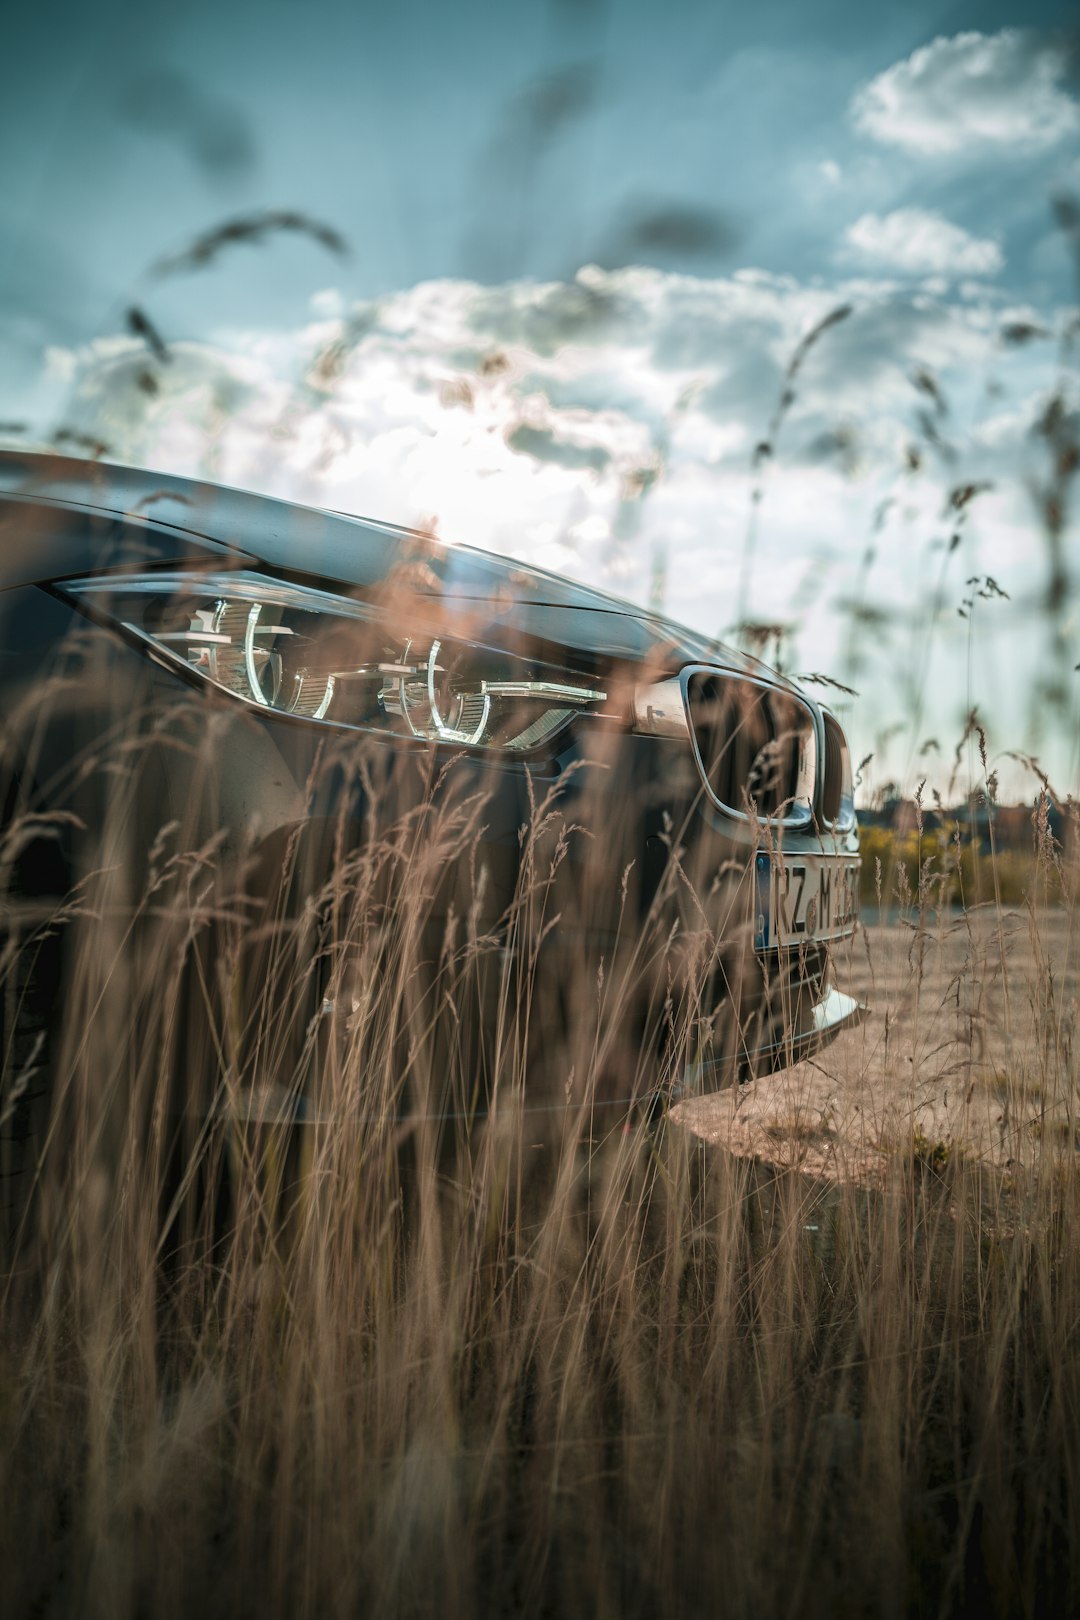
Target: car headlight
x,y
330,660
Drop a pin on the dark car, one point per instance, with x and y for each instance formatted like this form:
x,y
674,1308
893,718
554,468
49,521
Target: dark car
x,y
288,791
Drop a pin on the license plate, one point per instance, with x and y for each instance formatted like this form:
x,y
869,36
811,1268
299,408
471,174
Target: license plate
x,y
800,898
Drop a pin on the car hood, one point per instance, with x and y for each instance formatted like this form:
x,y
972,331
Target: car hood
x,y
181,520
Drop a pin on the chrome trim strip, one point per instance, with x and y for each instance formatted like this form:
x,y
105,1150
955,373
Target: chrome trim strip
x,y
835,1012
660,710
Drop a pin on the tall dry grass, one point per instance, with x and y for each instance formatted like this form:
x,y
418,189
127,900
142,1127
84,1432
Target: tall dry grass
x,y
350,1268
481,1335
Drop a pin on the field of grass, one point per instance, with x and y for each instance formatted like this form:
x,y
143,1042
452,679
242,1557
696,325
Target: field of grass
x,y
490,1333
806,1346
968,1012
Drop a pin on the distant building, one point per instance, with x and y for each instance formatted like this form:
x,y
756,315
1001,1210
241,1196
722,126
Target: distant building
x,y
1012,824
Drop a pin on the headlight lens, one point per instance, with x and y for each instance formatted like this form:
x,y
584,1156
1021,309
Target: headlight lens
x,y
334,661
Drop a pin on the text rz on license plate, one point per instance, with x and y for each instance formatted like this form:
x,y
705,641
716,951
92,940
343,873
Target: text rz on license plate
x,y
802,898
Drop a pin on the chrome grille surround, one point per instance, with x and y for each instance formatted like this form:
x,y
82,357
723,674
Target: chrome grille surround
x,y
755,744
837,788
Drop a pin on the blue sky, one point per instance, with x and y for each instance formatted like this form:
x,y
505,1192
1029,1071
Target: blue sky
x,y
639,211
482,140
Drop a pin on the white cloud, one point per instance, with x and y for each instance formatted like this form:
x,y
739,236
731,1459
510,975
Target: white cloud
x,y
60,363
830,171
971,90
516,411
918,242
597,426
327,302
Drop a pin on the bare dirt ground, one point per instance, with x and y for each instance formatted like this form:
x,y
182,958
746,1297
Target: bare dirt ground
x,y
968,1047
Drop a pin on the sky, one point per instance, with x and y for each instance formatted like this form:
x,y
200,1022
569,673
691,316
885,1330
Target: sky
x,y
756,314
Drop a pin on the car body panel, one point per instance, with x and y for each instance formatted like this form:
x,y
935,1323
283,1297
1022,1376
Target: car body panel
x,y
329,546
638,800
